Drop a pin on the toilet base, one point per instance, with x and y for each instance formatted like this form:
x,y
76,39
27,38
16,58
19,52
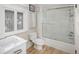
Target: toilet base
x,y
38,47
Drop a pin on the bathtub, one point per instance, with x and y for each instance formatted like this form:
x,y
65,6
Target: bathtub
x,y
13,45
68,48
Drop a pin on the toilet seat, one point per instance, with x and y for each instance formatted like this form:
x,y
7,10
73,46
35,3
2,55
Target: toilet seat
x,y
39,41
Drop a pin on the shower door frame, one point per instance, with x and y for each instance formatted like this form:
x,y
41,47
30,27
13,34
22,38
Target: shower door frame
x,y
69,48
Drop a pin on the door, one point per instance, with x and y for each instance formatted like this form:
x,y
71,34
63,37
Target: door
x,y
58,24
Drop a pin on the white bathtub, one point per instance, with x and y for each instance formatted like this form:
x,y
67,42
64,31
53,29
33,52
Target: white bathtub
x,y
69,48
12,44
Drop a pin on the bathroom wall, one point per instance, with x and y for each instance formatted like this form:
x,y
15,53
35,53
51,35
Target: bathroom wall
x,y
29,22
31,26
24,6
39,20
25,36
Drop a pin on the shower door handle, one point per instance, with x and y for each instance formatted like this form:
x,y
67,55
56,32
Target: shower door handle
x,y
71,34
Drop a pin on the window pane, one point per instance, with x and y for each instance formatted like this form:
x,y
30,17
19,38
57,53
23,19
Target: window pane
x,y
9,20
19,20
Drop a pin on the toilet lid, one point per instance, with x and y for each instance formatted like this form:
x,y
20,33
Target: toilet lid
x,y
39,41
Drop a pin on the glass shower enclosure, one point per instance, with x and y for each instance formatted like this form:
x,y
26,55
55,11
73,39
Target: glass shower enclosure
x,y
58,24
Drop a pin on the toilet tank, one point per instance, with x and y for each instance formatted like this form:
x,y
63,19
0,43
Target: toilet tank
x,y
33,35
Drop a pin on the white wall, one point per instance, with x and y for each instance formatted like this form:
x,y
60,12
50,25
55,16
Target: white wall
x,y
23,35
39,21
15,8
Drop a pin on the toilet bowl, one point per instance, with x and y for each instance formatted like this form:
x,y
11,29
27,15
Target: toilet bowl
x,y
38,42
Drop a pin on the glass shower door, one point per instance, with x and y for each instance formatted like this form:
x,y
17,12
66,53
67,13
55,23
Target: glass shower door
x,y
58,24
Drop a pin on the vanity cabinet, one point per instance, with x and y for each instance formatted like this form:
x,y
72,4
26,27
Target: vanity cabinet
x,y
13,20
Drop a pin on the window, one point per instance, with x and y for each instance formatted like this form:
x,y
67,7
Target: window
x,y
9,20
19,20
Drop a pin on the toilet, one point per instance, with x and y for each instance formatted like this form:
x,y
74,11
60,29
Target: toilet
x,y
38,42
